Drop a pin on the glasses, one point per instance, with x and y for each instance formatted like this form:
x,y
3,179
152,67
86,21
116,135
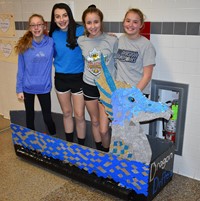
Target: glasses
x,y
32,26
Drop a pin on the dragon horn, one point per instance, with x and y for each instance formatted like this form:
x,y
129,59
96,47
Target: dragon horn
x,y
109,79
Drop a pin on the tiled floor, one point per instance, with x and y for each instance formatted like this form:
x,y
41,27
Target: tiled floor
x,y
24,181
4,123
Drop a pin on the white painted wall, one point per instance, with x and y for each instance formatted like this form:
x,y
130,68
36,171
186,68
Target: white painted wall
x,y
178,58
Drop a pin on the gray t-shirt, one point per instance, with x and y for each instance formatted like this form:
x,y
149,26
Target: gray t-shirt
x,y
92,49
132,57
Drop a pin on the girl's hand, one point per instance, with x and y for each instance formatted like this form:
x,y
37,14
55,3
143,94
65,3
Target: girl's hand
x,y
112,34
20,96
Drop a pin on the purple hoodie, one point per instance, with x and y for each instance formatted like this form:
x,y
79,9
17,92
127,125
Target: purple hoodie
x,y
35,68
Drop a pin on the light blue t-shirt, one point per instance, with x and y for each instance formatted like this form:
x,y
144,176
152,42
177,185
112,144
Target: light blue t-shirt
x,y
66,60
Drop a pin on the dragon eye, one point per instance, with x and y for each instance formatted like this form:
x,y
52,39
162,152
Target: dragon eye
x,y
131,99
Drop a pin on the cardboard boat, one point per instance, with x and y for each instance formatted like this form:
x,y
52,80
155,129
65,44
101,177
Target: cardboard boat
x,y
121,177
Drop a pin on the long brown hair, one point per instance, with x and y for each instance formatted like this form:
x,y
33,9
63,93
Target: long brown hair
x,y
25,42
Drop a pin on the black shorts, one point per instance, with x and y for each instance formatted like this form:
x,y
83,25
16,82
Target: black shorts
x,y
69,83
90,92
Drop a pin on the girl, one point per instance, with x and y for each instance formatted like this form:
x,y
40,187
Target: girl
x,y
69,65
136,54
94,44
35,59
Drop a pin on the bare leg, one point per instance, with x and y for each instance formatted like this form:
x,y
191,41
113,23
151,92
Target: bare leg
x,y
66,106
104,127
93,110
79,114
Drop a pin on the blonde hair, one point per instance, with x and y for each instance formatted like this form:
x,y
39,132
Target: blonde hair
x,y
25,42
139,12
